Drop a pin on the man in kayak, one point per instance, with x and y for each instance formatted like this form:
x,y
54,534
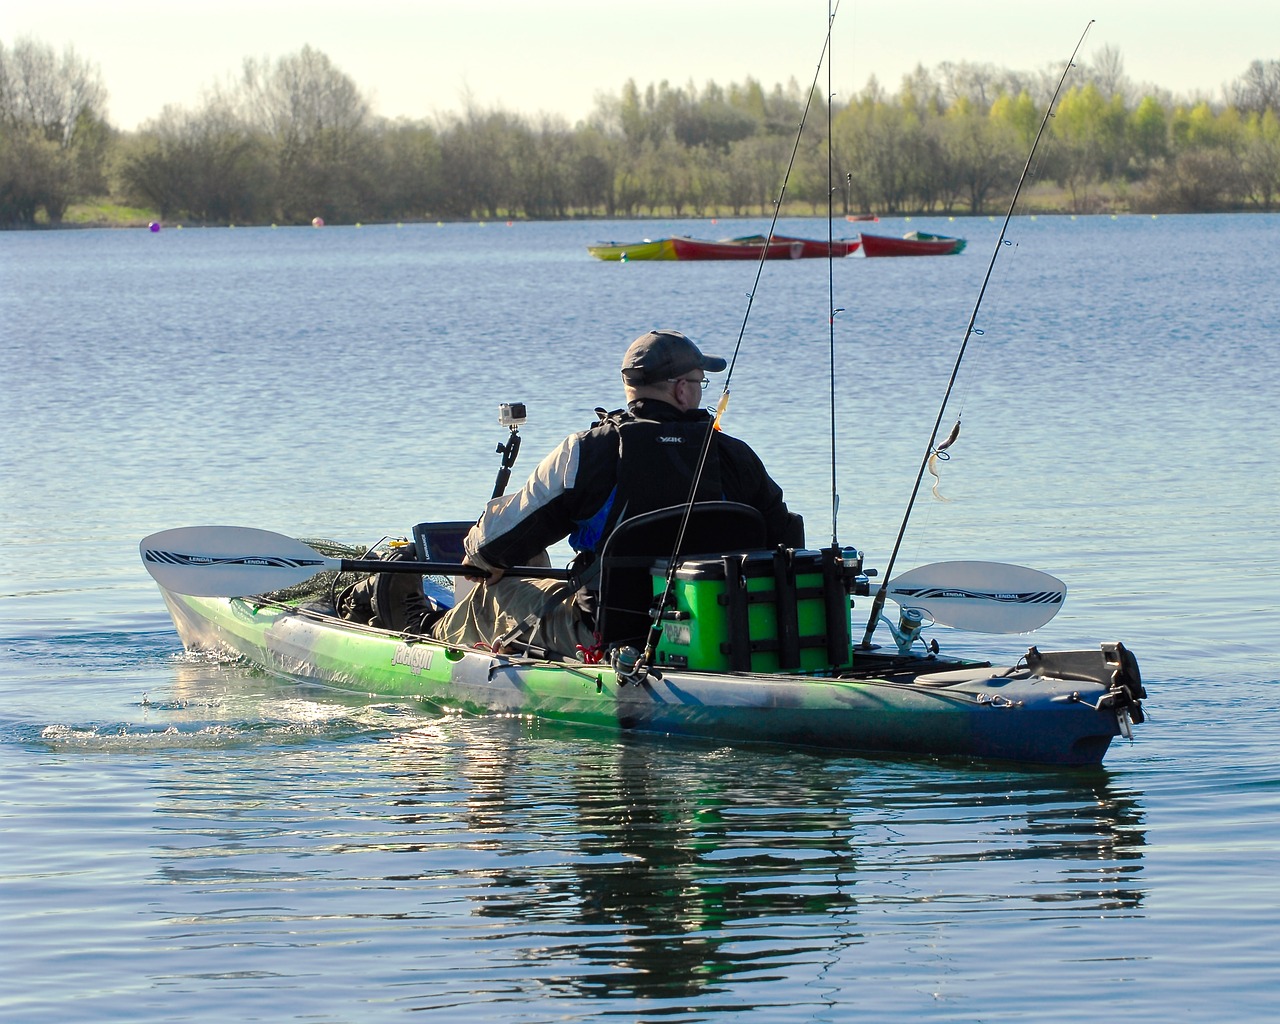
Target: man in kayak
x,y
634,460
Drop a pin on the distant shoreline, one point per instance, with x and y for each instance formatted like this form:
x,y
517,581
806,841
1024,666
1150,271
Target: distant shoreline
x,y
1043,199
849,225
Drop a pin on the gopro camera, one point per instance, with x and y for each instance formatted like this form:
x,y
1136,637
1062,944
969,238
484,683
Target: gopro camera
x,y
511,414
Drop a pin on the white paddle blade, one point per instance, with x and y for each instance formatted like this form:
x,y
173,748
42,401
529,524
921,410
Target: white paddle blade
x,y
229,561
982,597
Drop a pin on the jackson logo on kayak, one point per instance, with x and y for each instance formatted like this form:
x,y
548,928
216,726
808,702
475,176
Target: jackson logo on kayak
x,y
177,558
416,656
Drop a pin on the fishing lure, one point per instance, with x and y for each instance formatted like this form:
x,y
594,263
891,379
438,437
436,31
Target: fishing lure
x,y
940,454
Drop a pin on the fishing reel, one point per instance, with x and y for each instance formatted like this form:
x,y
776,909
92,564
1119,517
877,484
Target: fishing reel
x,y
906,631
628,665
857,578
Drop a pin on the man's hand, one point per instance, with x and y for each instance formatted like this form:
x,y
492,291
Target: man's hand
x,y
483,574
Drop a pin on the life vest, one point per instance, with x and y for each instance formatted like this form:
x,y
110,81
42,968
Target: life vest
x,y
657,463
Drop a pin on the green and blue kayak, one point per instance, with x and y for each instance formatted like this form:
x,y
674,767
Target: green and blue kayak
x,y
1059,708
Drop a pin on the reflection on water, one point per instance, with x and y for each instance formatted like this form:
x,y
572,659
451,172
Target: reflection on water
x,y
274,837
636,869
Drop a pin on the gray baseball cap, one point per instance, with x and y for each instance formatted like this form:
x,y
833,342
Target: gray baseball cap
x,y
665,355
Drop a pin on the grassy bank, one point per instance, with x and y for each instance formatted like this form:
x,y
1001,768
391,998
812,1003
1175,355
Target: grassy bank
x,y
102,213
1037,198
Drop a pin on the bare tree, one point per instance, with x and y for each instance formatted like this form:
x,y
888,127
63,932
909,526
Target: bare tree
x,y
1106,73
55,95
1258,89
53,135
316,122
204,165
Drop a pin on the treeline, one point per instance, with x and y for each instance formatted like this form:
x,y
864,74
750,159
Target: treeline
x,y
293,139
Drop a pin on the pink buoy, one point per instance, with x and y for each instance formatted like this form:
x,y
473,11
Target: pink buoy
x,y
317,222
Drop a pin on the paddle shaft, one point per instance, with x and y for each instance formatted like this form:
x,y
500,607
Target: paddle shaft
x,y
448,569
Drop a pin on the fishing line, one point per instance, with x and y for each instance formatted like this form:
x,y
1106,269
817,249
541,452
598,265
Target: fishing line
x,y
877,605
655,627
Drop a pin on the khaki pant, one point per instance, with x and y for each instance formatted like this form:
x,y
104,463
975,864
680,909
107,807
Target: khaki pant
x,y
492,610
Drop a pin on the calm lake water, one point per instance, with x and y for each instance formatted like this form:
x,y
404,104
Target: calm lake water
x,y
189,840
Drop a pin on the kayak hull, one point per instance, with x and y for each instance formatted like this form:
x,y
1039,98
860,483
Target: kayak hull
x,y
918,706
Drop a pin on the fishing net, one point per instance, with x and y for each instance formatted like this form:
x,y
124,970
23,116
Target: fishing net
x,y
324,586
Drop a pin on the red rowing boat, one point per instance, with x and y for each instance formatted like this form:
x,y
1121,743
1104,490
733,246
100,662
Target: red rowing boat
x,y
736,249
917,243
812,248
748,247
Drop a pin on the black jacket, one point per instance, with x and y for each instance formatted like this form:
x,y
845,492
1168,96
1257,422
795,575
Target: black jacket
x,y
633,461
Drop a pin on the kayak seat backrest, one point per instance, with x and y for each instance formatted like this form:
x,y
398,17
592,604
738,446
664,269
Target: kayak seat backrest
x,y
629,554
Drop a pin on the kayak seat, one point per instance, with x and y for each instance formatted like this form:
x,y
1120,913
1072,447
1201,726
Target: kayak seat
x,y
630,552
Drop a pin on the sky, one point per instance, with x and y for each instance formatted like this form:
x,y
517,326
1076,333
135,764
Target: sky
x,y
421,58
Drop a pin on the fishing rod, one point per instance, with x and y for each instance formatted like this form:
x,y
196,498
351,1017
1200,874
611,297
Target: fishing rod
x,y
638,669
831,301
931,452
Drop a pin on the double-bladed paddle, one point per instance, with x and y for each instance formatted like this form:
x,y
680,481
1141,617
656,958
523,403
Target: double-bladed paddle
x,y
235,561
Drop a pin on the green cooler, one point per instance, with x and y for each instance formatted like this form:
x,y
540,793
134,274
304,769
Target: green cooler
x,y
758,611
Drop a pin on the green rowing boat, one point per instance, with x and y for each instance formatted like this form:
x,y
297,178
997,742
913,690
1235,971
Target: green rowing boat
x,y
625,252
